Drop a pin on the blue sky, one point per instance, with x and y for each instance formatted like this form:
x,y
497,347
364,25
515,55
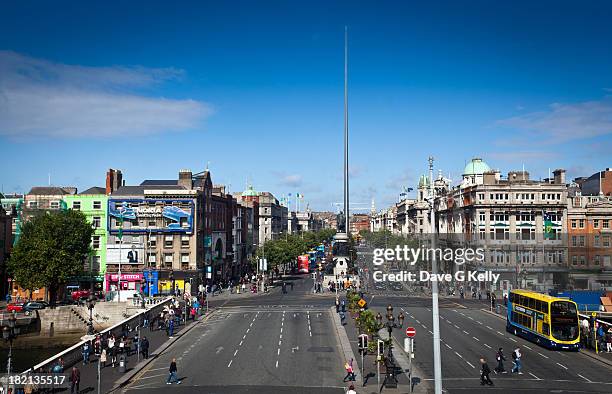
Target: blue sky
x,y
255,89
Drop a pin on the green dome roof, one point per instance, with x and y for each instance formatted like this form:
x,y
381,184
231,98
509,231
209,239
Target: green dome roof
x,y
476,167
423,181
249,192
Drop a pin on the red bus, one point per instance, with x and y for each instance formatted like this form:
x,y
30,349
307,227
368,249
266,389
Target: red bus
x,y
303,264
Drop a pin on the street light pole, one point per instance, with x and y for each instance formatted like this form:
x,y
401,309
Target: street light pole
x,y
434,288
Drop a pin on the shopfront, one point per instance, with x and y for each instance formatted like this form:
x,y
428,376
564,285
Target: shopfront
x,y
128,281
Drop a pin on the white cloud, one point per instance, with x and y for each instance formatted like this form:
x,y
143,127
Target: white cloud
x,y
290,180
39,98
565,122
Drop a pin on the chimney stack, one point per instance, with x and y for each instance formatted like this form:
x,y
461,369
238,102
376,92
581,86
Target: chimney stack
x,y
185,179
559,176
114,179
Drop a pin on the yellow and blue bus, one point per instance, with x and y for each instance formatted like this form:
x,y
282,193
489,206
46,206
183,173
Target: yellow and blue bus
x,y
548,321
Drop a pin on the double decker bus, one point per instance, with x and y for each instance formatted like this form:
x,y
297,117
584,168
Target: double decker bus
x,y
548,321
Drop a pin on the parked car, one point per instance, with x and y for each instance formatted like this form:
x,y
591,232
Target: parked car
x,y
34,305
79,295
15,307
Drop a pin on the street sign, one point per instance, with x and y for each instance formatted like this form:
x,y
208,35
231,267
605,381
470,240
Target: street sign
x,y
361,303
410,332
594,314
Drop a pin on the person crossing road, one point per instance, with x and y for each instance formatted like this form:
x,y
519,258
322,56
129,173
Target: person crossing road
x,y
500,361
484,373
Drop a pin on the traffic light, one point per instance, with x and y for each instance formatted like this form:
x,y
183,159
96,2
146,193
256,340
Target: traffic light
x,y
363,342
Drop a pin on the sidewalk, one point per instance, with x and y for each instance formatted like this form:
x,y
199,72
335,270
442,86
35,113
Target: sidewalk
x,y
369,366
110,375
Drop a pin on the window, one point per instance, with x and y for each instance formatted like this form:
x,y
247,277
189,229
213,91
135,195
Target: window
x,y
56,205
581,240
152,257
606,242
168,241
574,260
596,240
32,204
596,260
95,242
595,223
481,216
168,260
153,241
606,223
582,260
96,222
151,223
185,240
76,205
574,223
581,221
574,240
97,205
95,264
481,196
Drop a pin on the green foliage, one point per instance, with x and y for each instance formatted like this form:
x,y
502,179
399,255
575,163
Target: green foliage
x,y
287,247
367,324
52,248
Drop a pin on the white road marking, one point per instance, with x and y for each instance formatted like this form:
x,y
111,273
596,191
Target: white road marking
x,y
476,339
236,352
230,363
248,329
563,366
276,363
448,346
470,317
479,322
456,326
281,336
588,380
512,339
534,376
153,376
281,329
527,347
471,365
418,321
279,343
488,346
431,332
466,333
240,344
278,352
500,333
542,355
460,356
424,326
244,336
489,328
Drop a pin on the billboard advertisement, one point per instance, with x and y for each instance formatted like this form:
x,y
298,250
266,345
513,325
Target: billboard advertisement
x,y
150,215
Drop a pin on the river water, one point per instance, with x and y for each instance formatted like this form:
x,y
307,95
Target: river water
x,y
26,358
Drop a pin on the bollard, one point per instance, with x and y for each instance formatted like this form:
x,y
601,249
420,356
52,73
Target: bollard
x,y
122,363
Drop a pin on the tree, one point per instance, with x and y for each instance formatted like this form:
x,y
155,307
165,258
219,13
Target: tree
x,y
52,249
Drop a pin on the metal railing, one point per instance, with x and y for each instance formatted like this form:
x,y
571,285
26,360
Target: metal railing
x,y
73,355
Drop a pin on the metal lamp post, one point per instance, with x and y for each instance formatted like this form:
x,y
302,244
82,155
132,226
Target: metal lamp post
x,y
390,379
9,333
91,303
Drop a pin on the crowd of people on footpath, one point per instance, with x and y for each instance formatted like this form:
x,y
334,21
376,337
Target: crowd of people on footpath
x,y
598,338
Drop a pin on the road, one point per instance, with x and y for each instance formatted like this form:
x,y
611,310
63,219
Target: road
x,y
287,343
468,332
270,344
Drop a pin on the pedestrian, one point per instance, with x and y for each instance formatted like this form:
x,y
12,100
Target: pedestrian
x,y
144,347
484,373
172,373
171,328
351,390
75,380
337,305
145,321
516,359
601,337
121,345
103,358
350,375
85,352
343,306
500,361
342,318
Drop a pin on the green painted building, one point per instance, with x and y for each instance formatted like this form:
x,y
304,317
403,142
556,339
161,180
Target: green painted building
x,y
93,203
